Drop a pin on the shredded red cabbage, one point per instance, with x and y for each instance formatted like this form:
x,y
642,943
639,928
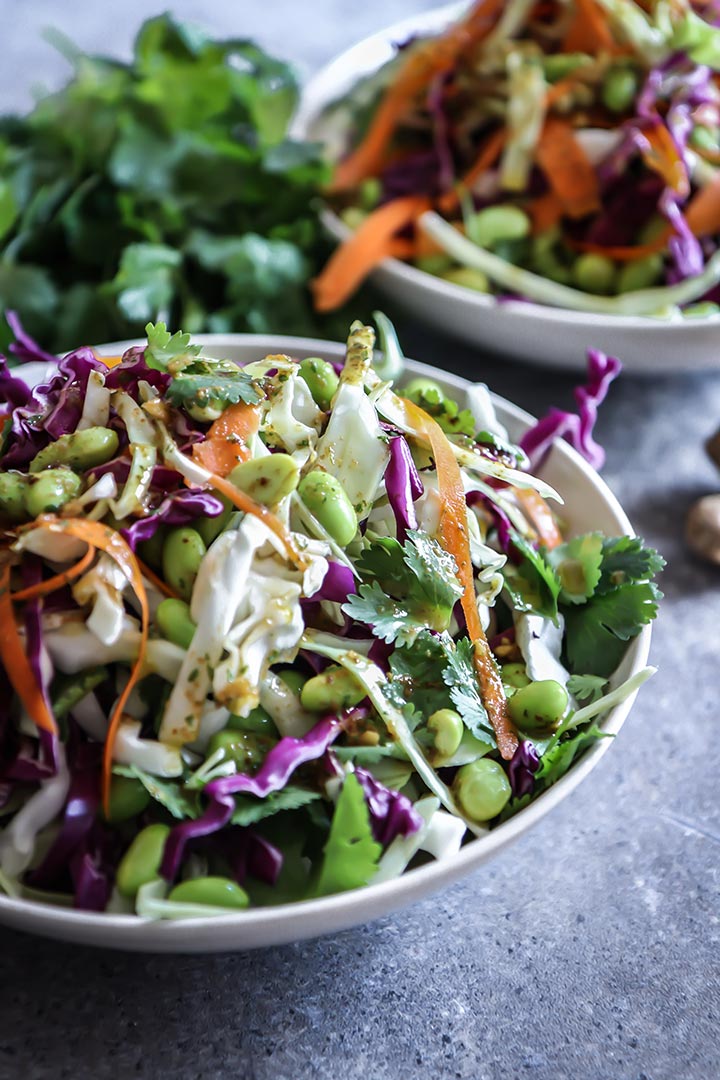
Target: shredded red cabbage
x,y
391,813
280,763
403,485
178,509
338,583
575,428
525,763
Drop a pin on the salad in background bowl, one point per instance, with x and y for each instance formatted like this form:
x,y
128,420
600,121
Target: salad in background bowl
x,y
518,155
283,648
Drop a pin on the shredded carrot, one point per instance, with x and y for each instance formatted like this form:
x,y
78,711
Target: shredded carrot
x,y
540,516
454,538
546,211
567,168
703,212
156,581
243,502
16,664
559,89
661,155
109,361
423,63
112,543
43,588
489,153
227,440
361,252
588,32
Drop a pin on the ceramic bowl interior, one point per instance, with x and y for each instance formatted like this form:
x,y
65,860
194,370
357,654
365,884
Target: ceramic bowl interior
x,y
589,504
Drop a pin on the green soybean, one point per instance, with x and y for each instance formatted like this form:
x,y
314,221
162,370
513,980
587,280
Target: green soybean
x,y
267,480
174,622
326,499
128,798
242,747
353,216
214,891
619,88
332,691
183,552
468,278
321,380
447,728
701,311
704,138
594,274
294,680
49,490
558,65
141,862
514,675
150,551
211,527
538,707
12,496
370,193
435,264
482,789
257,721
496,223
640,274
80,450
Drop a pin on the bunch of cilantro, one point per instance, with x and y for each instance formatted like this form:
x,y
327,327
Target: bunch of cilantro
x,y
165,188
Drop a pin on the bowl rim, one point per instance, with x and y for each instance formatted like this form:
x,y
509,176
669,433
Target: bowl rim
x,y
342,909
365,57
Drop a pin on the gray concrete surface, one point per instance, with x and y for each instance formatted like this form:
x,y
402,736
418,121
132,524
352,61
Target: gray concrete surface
x,y
589,950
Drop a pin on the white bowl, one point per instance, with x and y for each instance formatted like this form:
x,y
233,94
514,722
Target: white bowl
x,y
589,505
534,333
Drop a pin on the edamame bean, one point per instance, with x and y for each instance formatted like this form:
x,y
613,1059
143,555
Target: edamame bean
x,y
51,489
183,552
12,496
701,311
326,499
141,862
370,193
496,223
619,88
267,480
468,278
79,450
128,798
514,675
242,747
482,789
704,138
594,274
538,707
294,680
321,380
447,728
433,264
640,274
215,891
150,551
257,720
332,691
353,216
174,622
558,65
211,527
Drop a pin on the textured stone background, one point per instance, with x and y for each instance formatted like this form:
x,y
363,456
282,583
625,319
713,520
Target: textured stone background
x,y
589,950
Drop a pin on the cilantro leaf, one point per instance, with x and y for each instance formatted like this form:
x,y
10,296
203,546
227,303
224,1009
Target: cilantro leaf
x,y
435,573
626,559
391,620
533,584
171,794
163,347
556,761
383,559
204,385
577,564
416,676
451,418
587,688
596,634
459,675
249,810
351,854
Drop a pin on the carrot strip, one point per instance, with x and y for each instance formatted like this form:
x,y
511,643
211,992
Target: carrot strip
x,y
661,155
540,516
545,211
243,502
43,588
156,581
362,251
423,63
703,212
227,439
16,663
489,153
108,361
588,32
111,542
454,538
567,168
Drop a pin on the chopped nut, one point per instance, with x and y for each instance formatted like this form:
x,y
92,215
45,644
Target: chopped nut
x,y
712,448
702,528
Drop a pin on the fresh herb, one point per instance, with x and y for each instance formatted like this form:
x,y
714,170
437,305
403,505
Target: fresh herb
x,y
416,684
587,688
171,794
459,675
577,564
448,414
532,584
351,854
165,187
249,810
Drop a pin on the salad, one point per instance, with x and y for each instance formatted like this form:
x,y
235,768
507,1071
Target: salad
x,y
562,153
277,631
